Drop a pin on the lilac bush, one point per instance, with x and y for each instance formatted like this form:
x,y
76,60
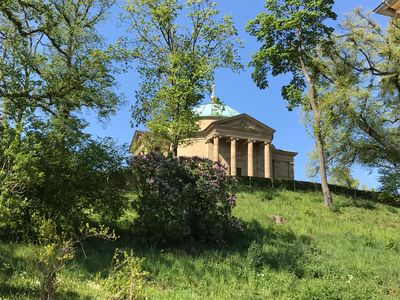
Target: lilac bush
x,y
181,199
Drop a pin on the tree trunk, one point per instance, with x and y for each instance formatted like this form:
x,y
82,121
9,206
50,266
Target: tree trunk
x,y
382,140
3,117
317,133
3,108
322,168
175,151
48,288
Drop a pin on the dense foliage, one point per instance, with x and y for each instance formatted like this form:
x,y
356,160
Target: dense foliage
x,y
181,199
361,86
68,184
177,46
291,33
53,67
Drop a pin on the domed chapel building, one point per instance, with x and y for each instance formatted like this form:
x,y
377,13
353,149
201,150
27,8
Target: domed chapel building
x,y
240,142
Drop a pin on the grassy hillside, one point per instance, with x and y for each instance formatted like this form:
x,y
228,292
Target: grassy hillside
x,y
349,252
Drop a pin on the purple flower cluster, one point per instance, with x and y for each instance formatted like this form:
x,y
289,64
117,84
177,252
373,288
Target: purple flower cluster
x,y
237,224
231,200
181,198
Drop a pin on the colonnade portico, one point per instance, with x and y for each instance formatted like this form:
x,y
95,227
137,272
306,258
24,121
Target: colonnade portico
x,y
233,157
251,143
238,141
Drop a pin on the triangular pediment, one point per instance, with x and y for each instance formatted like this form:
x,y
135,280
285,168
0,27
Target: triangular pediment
x,y
136,140
242,122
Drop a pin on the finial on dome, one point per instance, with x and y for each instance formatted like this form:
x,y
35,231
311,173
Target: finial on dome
x,y
214,99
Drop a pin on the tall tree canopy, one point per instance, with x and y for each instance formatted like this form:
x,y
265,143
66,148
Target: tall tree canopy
x,y
291,32
52,68
51,58
176,63
362,98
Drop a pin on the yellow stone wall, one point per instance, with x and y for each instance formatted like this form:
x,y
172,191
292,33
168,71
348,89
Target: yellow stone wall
x,y
259,162
396,6
282,166
241,156
198,147
204,123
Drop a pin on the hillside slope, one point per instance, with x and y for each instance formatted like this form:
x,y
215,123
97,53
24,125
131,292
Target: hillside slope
x,y
349,252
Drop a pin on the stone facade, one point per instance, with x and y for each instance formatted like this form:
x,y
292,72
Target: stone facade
x,y
240,142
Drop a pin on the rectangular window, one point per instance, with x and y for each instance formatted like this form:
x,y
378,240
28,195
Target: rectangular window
x,y
238,171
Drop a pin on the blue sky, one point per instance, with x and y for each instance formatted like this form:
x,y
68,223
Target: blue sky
x,y
235,89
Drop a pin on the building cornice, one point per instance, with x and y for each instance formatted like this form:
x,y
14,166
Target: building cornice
x,y
386,8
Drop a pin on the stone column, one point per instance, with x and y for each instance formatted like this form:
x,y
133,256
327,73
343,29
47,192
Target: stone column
x,y
216,148
250,158
268,160
233,157
291,170
207,150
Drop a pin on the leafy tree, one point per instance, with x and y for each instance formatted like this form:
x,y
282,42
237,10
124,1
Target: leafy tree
x,y
152,144
291,31
52,67
176,63
53,45
342,176
362,74
338,174
69,184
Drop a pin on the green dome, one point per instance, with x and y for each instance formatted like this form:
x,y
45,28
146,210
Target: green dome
x,y
215,110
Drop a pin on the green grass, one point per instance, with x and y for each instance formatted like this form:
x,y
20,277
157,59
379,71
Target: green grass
x,y
351,251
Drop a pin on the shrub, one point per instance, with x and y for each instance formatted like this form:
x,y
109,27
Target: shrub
x,y
67,177
181,199
256,256
56,249
126,279
335,207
